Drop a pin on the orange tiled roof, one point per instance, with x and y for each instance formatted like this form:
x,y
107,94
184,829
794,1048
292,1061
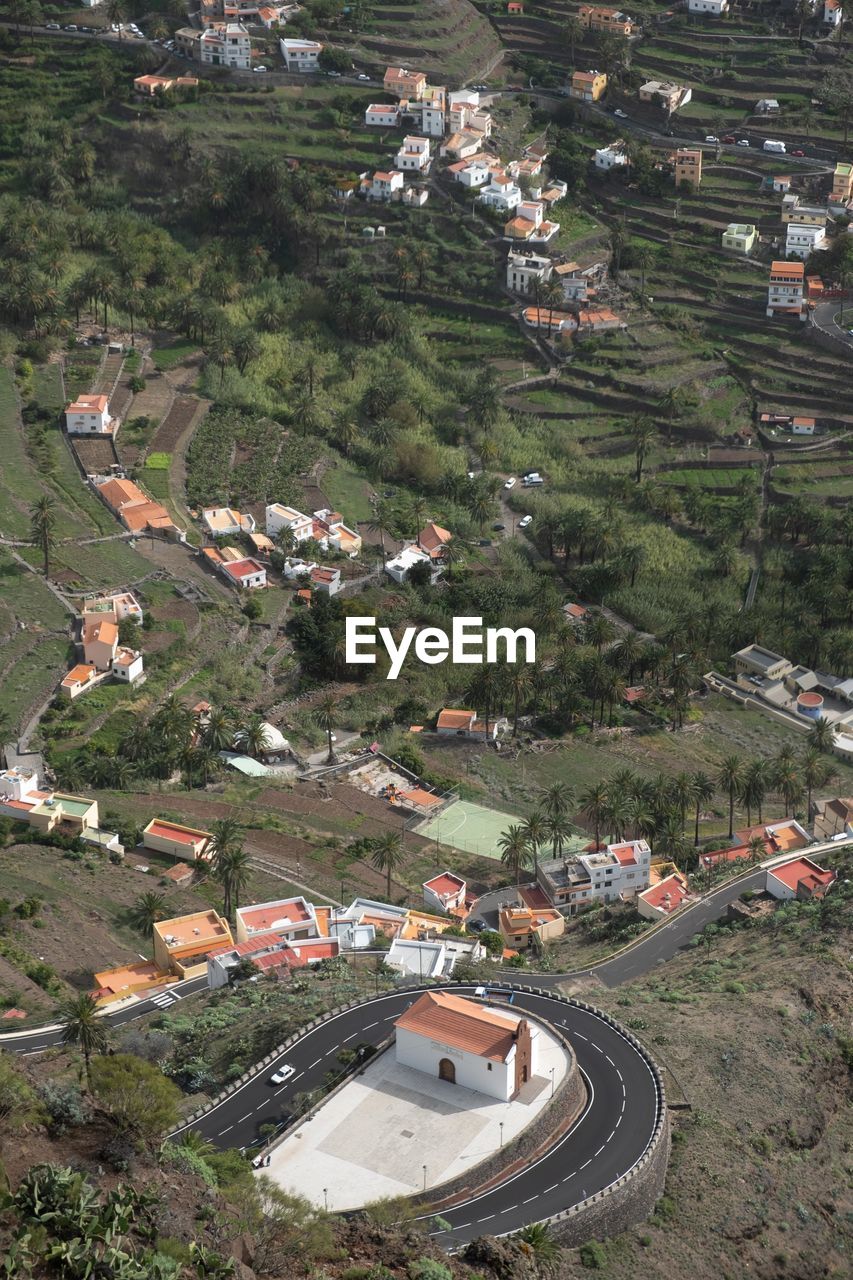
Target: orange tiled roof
x,y
451,719
454,1021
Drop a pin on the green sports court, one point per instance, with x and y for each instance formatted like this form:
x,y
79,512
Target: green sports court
x,y
474,829
469,827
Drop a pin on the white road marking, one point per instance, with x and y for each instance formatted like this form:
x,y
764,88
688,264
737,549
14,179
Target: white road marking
x,y
247,1116
548,1190
583,1166
487,1219
221,1131
371,1024
530,1201
600,1149
352,1037
315,1064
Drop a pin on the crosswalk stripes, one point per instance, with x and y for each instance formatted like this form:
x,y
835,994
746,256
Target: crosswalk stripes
x,y
163,1000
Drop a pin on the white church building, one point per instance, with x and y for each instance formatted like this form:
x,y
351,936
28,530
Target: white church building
x,y
464,1043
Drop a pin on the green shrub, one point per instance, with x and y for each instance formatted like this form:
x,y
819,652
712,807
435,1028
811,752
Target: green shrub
x,y
429,1269
593,1255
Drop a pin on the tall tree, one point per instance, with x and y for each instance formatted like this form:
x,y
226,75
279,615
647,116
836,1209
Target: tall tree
x,y
728,779
702,791
83,1027
387,854
326,715
146,910
593,806
43,528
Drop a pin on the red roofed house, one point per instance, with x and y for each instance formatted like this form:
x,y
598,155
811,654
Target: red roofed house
x,y
463,1043
800,878
240,571
187,843
89,416
433,539
778,837
663,898
444,892
405,84
179,874
289,918
465,724
100,641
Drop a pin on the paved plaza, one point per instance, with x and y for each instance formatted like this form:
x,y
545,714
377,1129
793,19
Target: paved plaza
x,y
394,1130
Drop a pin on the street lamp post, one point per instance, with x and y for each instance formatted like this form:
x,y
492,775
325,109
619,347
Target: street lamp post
x,y
326,1198
425,1177
502,1132
552,1082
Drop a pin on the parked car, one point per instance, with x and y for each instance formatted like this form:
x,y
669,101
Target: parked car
x,y
498,527
363,76
525,521
484,542
259,68
334,75
710,138
743,142
510,483
475,926
282,1075
623,115
728,139
71,26
52,26
798,154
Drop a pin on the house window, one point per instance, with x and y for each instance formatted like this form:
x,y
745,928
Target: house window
x,y
489,1067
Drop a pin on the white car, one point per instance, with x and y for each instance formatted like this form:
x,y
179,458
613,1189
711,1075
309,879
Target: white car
x,y
743,142
282,1075
259,68
525,521
363,76
710,138
622,115
511,483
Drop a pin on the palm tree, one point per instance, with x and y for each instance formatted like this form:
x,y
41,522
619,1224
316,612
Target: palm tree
x,y
224,839
146,911
232,872
787,781
515,850
729,778
593,806
380,523
81,1026
536,833
115,11
326,715
43,528
670,405
671,841
642,432
816,773
253,737
218,731
755,847
822,735
702,790
536,1237
386,854
753,788
520,680
556,800
559,831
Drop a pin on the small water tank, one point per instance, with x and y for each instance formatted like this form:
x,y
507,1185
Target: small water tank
x,y
810,705
368,232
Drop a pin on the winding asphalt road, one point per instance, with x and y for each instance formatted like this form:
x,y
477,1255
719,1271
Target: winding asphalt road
x,y
605,1142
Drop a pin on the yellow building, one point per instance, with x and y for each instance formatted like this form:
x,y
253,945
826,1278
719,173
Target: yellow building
x,y
71,814
181,944
588,86
688,167
842,184
522,927
187,843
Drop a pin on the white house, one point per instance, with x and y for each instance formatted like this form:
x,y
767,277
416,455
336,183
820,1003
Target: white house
x,y
502,193
326,580
785,290
279,517
802,240
226,45
290,918
800,878
89,416
238,570
524,271
225,520
607,158
711,8
573,884
475,174
832,12
385,186
414,959
300,55
18,784
461,1042
402,564
383,115
444,892
127,665
414,155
